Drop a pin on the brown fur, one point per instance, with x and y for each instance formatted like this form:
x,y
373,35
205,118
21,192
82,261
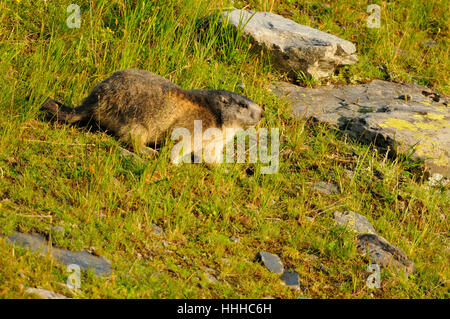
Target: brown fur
x,y
140,108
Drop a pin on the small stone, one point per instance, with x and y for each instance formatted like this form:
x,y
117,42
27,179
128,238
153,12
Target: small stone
x,y
129,155
209,274
271,261
354,221
324,269
45,294
208,270
290,278
241,85
235,239
436,180
326,188
430,43
383,253
211,279
349,173
157,230
58,229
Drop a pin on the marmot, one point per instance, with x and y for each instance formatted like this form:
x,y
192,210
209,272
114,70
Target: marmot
x,y
140,108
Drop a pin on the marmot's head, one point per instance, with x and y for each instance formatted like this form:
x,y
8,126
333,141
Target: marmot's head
x,y
234,109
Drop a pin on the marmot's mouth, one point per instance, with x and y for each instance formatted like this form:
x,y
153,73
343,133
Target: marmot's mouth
x,y
251,124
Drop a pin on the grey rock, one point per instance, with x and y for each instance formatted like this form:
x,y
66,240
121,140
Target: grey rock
x,y
373,113
324,269
326,188
235,239
36,242
45,294
99,265
208,270
209,274
58,229
383,253
291,279
211,279
354,221
293,47
130,155
437,180
349,173
271,261
430,43
157,230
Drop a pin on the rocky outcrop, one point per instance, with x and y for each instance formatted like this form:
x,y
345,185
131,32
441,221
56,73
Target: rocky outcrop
x,y
354,221
293,47
382,253
84,259
398,117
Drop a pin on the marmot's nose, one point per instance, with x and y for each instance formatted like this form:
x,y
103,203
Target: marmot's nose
x,y
258,114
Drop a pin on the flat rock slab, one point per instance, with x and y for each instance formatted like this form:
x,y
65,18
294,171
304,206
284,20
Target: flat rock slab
x,y
36,242
45,294
326,188
293,47
291,279
383,253
271,262
354,221
397,117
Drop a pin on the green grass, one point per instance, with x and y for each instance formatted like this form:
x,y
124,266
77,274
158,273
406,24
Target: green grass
x,y
58,175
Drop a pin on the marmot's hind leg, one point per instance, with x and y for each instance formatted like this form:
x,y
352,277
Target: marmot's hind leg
x,y
136,137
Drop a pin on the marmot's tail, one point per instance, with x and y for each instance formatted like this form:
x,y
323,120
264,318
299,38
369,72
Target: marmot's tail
x,y
62,113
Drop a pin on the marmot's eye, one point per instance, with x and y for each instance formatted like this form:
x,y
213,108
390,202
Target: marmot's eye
x,y
243,104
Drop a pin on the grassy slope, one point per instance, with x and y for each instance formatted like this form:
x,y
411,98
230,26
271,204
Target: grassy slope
x,y
60,175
